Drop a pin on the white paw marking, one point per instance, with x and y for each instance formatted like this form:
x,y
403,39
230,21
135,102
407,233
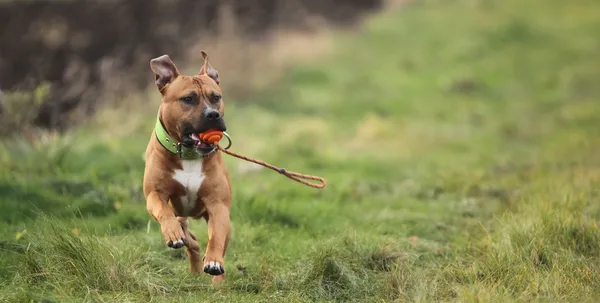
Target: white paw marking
x,y
190,177
214,265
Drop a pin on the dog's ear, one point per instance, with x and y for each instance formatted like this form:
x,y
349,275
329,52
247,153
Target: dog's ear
x,y
209,70
164,71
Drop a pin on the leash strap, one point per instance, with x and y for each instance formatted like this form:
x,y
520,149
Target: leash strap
x,y
187,153
298,177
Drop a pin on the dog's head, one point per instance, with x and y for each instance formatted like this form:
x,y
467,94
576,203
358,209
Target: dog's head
x,y
190,104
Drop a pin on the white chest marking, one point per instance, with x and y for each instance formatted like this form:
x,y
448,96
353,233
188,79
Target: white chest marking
x,y
190,177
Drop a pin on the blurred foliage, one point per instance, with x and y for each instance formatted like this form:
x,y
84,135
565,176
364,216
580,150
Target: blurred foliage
x,y
20,108
90,51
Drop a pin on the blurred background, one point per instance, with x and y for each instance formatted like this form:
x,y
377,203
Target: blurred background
x,y
77,52
459,140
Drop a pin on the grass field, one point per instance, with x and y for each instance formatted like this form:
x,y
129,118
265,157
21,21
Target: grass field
x,y
460,141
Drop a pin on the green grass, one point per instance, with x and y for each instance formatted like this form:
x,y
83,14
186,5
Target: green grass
x,y
459,140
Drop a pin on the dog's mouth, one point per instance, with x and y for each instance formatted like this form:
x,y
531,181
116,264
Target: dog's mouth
x,y
194,138
200,146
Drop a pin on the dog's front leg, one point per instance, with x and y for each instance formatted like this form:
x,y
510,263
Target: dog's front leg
x,y
218,240
170,227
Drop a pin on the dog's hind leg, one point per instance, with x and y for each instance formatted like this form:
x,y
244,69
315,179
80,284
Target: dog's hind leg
x,y
191,247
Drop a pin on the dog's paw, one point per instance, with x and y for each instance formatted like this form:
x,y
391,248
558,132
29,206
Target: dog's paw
x,y
177,244
173,234
214,268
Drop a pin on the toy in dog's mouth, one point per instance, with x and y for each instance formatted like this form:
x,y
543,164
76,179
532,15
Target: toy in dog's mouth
x,y
206,141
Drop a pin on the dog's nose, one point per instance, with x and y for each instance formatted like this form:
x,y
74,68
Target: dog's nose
x,y
212,114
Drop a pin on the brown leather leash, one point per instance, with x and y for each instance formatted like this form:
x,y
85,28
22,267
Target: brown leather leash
x,y
298,177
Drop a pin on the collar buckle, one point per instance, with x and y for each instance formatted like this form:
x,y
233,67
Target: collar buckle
x,y
179,150
189,154
182,154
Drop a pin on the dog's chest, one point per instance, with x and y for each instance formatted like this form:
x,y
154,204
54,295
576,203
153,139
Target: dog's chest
x,y
190,177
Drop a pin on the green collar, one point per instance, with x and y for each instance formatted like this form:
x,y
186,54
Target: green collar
x,y
170,144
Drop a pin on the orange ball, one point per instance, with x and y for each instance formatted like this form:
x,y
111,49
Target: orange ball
x,y
212,136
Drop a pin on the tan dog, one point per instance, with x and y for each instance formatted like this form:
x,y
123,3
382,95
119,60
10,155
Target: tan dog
x,y
185,177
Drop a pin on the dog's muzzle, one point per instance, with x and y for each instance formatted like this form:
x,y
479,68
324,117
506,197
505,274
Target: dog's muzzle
x,y
213,120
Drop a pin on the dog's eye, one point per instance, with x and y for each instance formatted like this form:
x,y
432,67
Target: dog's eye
x,y
215,98
187,99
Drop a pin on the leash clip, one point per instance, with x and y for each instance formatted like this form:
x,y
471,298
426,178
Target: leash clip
x,y
228,139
